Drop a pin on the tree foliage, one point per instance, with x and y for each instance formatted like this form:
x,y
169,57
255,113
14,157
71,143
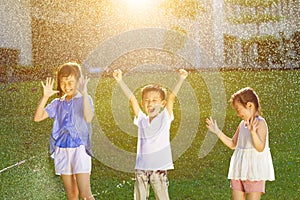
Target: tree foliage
x,y
254,11
183,8
253,3
260,18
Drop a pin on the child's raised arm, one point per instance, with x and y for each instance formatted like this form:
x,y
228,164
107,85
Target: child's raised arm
x,y
87,109
40,113
171,98
213,127
117,74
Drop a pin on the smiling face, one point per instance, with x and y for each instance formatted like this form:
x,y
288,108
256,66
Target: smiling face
x,y
245,112
152,103
67,78
68,86
246,100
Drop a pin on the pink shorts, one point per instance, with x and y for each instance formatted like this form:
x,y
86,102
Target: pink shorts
x,y
70,161
248,186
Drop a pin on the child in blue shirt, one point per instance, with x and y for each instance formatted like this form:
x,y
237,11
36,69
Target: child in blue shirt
x,y
73,112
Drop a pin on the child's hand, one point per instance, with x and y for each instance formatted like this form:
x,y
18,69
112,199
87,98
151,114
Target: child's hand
x,y
252,124
213,126
117,74
82,87
48,88
183,73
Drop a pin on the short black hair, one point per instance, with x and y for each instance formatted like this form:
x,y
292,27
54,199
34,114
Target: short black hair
x,y
155,87
65,70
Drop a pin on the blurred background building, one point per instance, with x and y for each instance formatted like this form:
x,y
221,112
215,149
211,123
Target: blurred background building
x,y
235,33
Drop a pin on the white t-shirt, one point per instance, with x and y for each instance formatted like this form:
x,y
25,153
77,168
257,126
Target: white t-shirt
x,y
153,148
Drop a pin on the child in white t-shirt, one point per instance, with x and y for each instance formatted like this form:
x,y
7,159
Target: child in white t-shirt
x,y
154,156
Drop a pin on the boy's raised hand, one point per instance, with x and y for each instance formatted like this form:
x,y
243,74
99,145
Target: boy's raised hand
x,y
183,73
48,88
117,74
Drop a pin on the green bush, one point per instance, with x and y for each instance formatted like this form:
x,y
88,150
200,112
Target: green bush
x,y
25,73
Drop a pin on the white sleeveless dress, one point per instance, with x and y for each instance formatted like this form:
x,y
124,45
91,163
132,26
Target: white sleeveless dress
x,y
247,163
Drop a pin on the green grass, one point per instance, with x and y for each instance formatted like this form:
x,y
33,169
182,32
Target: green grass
x,y
193,177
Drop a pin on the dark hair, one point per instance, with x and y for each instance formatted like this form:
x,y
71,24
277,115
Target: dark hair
x,y
66,70
245,95
155,88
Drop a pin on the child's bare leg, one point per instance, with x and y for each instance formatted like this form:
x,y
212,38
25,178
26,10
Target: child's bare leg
x,y
83,182
238,195
70,185
254,196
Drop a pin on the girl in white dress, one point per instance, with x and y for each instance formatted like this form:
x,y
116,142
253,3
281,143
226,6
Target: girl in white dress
x,y
251,163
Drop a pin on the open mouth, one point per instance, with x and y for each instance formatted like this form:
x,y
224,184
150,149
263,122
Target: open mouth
x,y
68,92
154,110
151,110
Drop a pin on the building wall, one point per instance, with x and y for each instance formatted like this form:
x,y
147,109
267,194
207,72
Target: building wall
x,y
289,22
282,30
15,29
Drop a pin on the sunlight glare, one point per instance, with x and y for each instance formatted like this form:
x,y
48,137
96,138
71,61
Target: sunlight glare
x,y
137,4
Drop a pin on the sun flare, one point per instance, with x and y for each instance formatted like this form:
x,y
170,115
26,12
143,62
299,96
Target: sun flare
x,y
137,4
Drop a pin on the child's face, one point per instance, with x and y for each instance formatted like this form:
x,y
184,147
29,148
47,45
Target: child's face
x,y
245,112
69,85
152,103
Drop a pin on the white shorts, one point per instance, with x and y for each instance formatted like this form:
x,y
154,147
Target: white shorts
x,y
70,161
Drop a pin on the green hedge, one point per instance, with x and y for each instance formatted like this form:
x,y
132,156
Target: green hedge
x,y
25,73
